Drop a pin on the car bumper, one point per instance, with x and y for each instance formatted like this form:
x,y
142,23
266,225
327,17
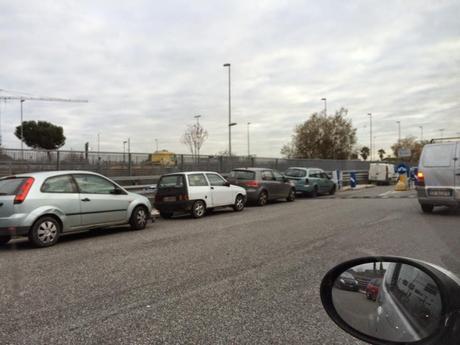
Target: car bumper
x,y
425,199
175,206
252,195
14,231
302,188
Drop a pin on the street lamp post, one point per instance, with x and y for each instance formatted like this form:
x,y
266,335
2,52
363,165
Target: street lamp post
x,y
399,131
124,150
325,105
229,111
22,130
421,132
370,136
249,152
442,132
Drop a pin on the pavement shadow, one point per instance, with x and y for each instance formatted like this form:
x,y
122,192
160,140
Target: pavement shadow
x,y
24,244
445,211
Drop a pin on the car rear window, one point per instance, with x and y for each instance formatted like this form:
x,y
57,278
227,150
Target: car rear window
x,y
295,173
171,181
243,174
9,185
437,155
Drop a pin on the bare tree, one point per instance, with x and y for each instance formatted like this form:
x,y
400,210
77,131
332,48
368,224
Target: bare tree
x,y
194,137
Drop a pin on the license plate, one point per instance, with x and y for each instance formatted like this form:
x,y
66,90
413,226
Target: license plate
x,y
440,192
169,198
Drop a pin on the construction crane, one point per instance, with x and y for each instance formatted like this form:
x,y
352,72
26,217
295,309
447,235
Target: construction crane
x,y
22,99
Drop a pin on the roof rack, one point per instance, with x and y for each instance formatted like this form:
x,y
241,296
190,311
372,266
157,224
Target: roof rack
x,y
436,140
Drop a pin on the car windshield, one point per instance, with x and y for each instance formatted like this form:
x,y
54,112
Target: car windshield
x,y
171,181
296,173
243,174
9,186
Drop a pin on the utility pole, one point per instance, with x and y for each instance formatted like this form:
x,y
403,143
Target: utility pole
x,y
399,131
230,123
442,132
22,131
325,105
370,136
249,152
129,146
98,143
124,150
197,117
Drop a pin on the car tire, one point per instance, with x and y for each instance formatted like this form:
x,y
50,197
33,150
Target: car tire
x,y
4,239
239,203
139,218
333,189
291,195
166,215
45,232
427,208
198,209
314,192
262,199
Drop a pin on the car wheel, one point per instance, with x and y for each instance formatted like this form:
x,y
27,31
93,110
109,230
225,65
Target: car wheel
x,y
291,195
314,192
239,203
427,208
139,218
332,191
198,209
166,215
263,199
45,232
4,239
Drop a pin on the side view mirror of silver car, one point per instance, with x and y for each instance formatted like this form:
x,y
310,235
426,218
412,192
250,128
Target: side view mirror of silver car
x,y
393,300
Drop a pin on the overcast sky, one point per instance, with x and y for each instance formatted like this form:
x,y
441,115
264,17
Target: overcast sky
x,y
148,67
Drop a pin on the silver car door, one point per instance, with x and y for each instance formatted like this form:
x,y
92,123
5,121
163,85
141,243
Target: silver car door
x,y
101,201
61,192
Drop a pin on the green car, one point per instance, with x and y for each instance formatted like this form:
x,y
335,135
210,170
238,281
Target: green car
x,y
311,181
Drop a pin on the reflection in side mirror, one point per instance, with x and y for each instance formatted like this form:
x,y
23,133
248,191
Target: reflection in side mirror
x,y
386,300
116,191
227,184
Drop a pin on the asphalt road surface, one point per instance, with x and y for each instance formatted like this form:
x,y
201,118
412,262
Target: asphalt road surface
x,y
229,278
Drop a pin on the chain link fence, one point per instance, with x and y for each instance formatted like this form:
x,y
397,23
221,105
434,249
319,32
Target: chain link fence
x,y
16,161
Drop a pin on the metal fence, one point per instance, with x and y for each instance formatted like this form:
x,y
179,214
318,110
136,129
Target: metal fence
x,y
15,161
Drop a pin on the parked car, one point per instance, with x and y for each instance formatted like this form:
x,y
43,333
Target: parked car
x,y
346,281
382,173
372,288
196,192
263,185
45,205
438,177
311,181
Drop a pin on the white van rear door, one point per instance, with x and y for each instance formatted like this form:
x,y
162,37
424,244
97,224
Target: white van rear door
x,y
438,165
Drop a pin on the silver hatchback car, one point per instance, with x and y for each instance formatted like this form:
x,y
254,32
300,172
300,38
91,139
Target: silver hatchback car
x,y
44,205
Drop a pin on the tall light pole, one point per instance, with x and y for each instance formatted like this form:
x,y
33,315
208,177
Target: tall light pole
x,y
442,132
22,131
421,132
124,150
325,105
197,117
156,144
399,131
370,136
98,143
249,152
229,111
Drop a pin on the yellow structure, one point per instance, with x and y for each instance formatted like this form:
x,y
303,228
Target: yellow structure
x,y
402,185
163,157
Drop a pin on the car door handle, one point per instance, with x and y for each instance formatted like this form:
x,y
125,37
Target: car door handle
x,y
458,174
85,199
212,187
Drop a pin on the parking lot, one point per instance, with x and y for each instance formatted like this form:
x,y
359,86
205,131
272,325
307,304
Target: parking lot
x,y
228,278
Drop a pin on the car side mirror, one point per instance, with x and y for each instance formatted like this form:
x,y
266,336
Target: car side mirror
x,y
392,300
117,191
227,184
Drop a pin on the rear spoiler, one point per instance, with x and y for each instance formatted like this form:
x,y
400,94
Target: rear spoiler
x,y
437,140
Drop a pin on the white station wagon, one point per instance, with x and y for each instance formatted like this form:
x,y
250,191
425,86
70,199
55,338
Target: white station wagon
x,y
196,192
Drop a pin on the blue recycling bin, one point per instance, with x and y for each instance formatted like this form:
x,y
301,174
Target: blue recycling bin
x,y
353,179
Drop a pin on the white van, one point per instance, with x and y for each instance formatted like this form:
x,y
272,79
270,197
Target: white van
x,y
438,177
382,173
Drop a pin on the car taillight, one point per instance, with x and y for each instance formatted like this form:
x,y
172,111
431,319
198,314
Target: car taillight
x,y
182,197
307,182
420,179
24,190
253,184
